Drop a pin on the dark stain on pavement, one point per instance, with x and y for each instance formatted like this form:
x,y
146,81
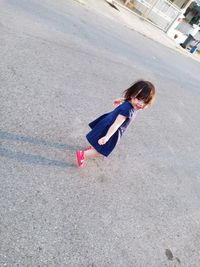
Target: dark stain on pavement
x,y
169,254
102,179
178,260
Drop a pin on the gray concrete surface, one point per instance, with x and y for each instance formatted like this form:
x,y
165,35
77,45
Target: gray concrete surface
x,y
61,66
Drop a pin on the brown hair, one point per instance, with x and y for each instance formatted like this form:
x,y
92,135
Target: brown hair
x,y
142,90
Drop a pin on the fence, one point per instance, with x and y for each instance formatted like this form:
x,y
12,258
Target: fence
x,y
162,13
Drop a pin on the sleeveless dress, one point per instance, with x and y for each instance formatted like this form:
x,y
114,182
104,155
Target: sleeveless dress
x,y
101,125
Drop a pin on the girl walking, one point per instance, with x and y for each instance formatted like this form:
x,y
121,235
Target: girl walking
x,y
107,130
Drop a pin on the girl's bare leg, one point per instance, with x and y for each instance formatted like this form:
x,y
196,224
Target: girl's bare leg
x,y
92,153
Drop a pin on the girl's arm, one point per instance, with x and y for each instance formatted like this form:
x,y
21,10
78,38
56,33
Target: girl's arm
x,y
113,128
118,101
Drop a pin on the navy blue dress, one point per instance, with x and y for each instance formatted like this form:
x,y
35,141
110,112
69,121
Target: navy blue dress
x,y
101,125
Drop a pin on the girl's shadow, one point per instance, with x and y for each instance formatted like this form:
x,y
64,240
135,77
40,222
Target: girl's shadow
x,y
33,159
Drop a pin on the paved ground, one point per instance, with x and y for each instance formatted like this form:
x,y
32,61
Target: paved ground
x,y
61,65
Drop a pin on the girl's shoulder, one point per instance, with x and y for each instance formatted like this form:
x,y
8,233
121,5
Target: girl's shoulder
x,y
126,109
126,104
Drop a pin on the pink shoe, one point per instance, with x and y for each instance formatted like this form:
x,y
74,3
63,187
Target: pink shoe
x,y
80,158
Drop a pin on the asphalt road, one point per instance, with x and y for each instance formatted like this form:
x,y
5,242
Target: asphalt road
x,y
61,65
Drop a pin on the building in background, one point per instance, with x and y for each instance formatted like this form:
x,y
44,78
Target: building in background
x,y
162,13
189,24
178,18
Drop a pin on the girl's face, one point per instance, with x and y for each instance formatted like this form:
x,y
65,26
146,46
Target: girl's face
x,y
137,104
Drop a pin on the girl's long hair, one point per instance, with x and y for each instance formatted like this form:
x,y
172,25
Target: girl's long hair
x,y
142,90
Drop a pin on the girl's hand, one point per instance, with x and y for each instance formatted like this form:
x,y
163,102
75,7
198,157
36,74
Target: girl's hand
x,y
103,140
118,102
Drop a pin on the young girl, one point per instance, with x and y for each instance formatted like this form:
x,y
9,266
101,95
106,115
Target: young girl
x,y
109,128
